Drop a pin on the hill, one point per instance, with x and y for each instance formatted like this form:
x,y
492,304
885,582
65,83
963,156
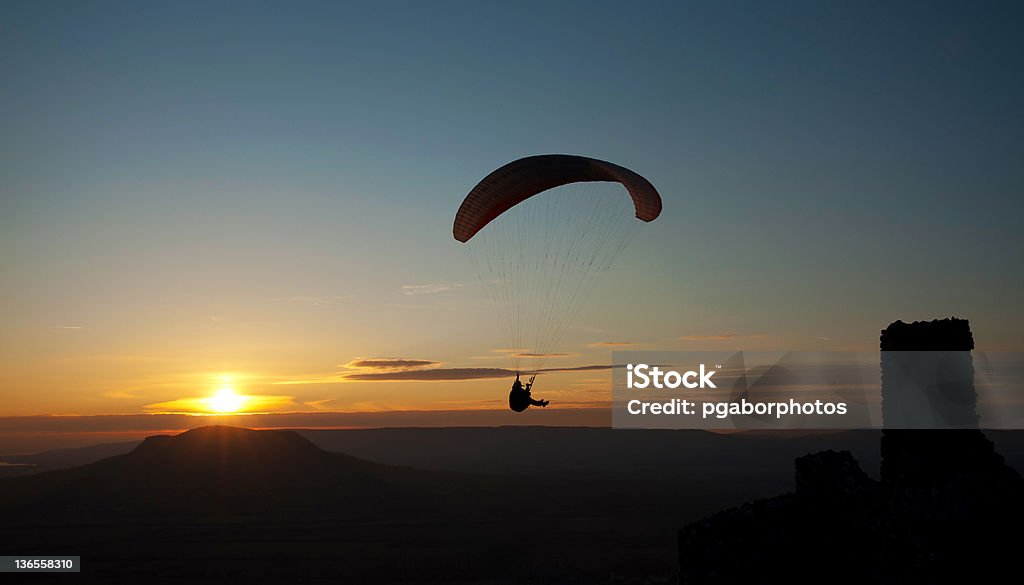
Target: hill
x,y
219,470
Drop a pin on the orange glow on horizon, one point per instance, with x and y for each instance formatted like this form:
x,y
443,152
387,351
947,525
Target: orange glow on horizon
x,y
227,400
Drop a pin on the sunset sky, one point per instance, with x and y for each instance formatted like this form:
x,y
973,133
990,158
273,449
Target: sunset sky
x,y
200,196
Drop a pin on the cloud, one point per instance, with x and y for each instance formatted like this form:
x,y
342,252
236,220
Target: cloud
x,y
205,404
388,369
119,358
317,301
592,368
68,327
119,394
433,375
454,374
375,366
324,379
612,344
322,404
430,289
718,337
391,363
525,353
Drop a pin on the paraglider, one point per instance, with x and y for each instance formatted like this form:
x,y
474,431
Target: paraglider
x,y
519,398
519,180
538,257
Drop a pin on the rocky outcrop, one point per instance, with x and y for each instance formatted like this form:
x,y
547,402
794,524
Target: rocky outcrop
x,y
943,511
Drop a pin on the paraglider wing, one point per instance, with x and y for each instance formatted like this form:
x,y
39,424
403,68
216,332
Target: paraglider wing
x,y
538,257
519,180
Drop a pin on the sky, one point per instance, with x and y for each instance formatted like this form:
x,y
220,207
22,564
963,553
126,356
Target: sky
x,y
258,195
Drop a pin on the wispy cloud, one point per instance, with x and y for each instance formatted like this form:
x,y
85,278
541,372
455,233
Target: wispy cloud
x,y
430,289
68,327
432,375
716,337
587,381
612,344
362,366
453,374
333,378
321,405
592,368
119,358
119,394
391,363
525,353
586,329
382,369
317,301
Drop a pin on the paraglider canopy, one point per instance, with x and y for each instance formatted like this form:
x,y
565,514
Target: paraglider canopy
x,y
526,177
540,232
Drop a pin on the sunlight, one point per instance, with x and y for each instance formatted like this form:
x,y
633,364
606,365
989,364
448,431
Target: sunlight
x,y
226,401
226,397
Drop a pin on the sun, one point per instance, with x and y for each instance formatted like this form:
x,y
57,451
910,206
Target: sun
x,y
226,395
225,401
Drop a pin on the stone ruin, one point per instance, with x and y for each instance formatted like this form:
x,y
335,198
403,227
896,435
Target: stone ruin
x,y
945,509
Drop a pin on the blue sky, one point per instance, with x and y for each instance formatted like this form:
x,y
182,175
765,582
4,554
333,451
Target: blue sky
x,y
219,186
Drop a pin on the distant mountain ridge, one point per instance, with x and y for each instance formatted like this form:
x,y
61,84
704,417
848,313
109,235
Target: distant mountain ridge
x,y
53,459
223,470
563,450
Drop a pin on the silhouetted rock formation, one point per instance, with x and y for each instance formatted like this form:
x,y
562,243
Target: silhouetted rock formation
x,y
928,375
831,474
820,533
928,382
943,511
950,334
